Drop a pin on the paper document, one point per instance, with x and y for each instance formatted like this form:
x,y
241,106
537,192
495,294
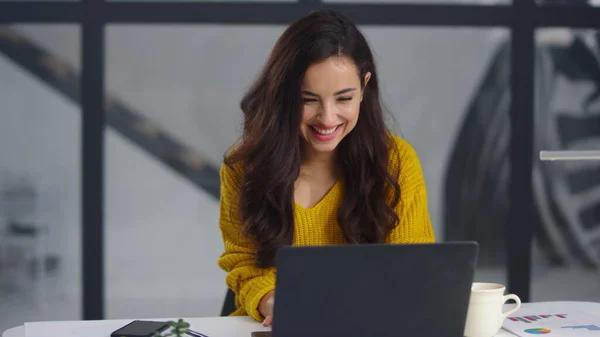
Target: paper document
x,y
552,321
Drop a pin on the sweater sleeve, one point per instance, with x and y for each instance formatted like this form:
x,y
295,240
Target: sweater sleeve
x,y
249,282
415,224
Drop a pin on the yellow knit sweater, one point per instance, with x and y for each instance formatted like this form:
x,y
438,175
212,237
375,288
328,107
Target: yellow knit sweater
x,y
313,226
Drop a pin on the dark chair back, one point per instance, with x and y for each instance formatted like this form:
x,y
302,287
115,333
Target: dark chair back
x,y
229,304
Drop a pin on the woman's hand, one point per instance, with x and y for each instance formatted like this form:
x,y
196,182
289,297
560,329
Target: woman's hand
x,y
265,307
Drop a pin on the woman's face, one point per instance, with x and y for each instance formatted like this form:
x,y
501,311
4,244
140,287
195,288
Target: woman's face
x,y
332,93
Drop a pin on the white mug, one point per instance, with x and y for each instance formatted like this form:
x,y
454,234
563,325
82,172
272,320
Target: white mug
x,y
485,316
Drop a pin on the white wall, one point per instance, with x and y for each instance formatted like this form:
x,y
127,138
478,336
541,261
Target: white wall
x,y
163,239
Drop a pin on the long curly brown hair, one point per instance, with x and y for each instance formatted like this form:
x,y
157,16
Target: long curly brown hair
x,y
270,148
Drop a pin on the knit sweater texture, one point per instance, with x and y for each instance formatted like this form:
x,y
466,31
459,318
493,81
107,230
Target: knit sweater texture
x,y
314,226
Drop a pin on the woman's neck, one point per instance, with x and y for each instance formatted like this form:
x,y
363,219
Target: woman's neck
x,y
319,164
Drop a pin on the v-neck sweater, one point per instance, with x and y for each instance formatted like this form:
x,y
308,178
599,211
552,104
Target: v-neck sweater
x,y
316,225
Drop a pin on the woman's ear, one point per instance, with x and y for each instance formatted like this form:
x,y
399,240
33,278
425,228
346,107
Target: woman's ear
x,y
366,80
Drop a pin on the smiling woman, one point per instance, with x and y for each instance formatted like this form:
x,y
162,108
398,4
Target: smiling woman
x,y
316,164
330,113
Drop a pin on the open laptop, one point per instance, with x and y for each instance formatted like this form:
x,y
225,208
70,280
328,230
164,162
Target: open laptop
x,y
416,290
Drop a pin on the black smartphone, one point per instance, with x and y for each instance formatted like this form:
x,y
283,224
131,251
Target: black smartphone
x,y
260,334
140,329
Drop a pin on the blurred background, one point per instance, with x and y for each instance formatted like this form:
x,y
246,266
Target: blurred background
x,y
172,110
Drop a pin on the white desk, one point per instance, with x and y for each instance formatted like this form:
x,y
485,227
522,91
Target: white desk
x,y
210,326
231,326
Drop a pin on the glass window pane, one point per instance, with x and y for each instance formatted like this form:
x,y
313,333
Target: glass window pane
x,y
180,85
567,193
183,84
40,135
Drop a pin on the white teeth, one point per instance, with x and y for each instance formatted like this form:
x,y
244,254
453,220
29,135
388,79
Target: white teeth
x,y
324,131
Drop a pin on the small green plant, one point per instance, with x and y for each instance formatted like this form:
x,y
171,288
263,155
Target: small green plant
x,y
178,329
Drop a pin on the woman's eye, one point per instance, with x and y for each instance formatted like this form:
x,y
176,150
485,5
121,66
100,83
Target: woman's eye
x,y
309,100
344,99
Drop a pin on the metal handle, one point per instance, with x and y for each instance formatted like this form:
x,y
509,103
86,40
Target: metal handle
x,y
569,155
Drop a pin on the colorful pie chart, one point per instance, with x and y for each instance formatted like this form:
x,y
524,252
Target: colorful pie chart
x,y
538,331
